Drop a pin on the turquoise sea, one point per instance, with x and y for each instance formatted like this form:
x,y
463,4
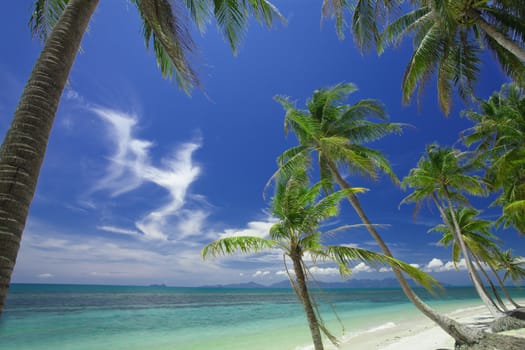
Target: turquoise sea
x,y
75,317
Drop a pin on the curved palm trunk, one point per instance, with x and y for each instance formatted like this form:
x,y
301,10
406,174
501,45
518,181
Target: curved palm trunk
x,y
503,288
501,304
474,276
460,333
24,146
509,45
302,291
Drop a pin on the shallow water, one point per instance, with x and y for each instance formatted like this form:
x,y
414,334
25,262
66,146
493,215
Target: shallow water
x,y
76,317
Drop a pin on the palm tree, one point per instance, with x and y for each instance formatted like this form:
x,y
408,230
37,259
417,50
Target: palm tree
x,y
449,38
62,24
335,131
481,244
514,266
499,136
299,213
442,178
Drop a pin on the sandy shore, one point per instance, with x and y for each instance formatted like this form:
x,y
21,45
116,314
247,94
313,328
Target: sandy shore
x,y
419,333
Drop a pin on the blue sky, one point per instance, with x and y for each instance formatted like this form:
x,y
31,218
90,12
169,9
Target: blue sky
x,y
138,176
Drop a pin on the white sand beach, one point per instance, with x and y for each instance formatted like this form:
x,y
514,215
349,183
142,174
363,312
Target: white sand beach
x,y
418,332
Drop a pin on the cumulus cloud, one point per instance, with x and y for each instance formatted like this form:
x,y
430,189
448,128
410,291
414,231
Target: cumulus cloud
x,y
45,275
437,265
131,166
253,228
362,267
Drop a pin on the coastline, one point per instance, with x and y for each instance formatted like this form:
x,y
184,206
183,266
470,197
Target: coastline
x,y
418,332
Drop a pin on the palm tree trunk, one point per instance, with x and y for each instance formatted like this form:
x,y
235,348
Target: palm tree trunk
x,y
501,39
474,276
302,291
501,304
460,333
503,288
24,146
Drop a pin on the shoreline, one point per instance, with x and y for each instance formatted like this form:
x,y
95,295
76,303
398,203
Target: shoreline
x,y
419,332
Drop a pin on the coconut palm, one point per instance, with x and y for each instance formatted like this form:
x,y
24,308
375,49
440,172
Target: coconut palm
x,y
514,266
481,244
299,211
333,132
498,136
449,38
62,24
367,18
441,178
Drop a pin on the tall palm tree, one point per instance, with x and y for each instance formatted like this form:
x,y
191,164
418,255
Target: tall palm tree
x,y
62,24
449,38
333,132
441,178
299,211
498,136
481,244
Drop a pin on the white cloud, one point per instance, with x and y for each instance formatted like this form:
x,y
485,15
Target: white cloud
x,y
434,264
254,228
437,265
45,275
324,271
119,230
361,267
130,166
260,273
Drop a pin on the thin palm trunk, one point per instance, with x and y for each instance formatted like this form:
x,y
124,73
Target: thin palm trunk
x,y
503,288
474,276
495,292
302,291
460,333
24,146
509,45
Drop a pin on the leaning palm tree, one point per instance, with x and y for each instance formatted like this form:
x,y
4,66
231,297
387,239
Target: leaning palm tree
x,y
498,137
449,38
481,243
441,178
62,24
334,132
299,211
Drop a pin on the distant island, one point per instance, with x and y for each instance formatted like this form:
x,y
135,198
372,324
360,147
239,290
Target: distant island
x,y
354,283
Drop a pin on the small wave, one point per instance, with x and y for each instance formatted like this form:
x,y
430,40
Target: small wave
x,y
345,338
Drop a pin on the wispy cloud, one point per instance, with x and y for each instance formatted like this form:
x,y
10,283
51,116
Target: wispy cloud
x,y
131,166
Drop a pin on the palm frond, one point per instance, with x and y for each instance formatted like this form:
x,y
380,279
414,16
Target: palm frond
x,y
164,27
230,245
345,255
45,16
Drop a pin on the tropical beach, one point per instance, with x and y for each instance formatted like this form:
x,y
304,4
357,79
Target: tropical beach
x,y
259,174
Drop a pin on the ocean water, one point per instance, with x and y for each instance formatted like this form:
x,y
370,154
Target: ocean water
x,y
81,317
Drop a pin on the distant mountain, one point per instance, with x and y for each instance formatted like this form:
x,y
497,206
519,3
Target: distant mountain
x,y
353,283
238,285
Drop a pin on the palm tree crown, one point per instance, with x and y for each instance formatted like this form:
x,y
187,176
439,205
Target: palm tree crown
x,y
449,37
498,137
337,132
